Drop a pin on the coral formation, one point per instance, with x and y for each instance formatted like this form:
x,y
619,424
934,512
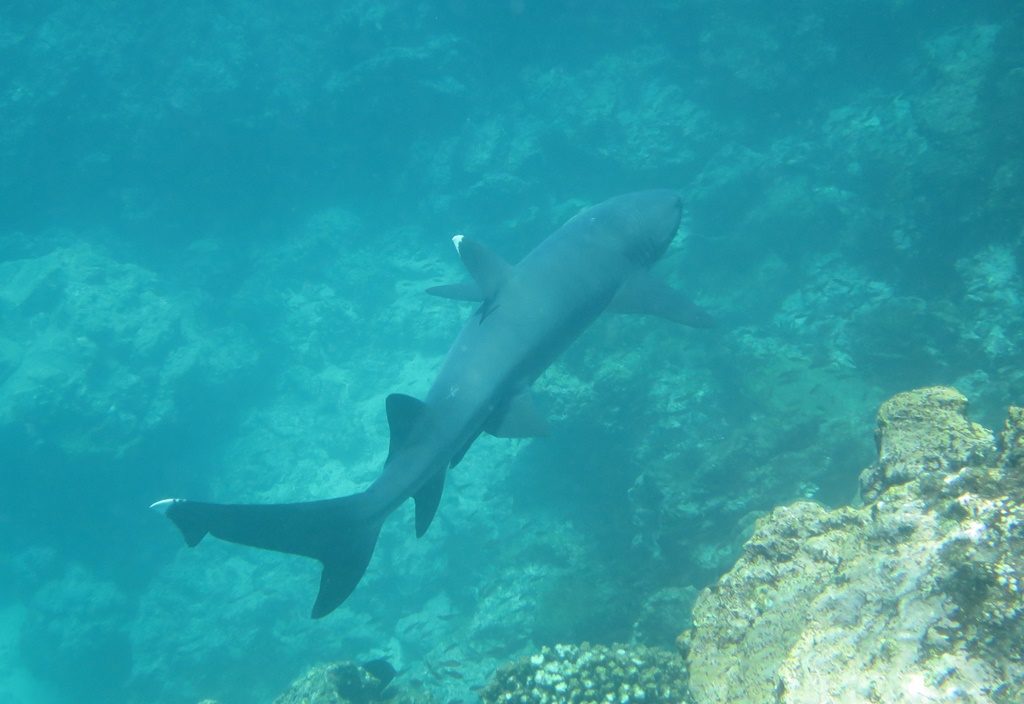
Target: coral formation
x,y
915,596
590,674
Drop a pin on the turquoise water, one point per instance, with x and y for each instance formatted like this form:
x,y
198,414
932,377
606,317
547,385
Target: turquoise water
x,y
217,224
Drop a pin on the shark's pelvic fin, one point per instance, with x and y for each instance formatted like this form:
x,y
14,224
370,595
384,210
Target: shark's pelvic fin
x,y
462,291
341,533
645,294
519,418
488,270
427,500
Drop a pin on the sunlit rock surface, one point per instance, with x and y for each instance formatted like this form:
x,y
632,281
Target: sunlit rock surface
x,y
915,596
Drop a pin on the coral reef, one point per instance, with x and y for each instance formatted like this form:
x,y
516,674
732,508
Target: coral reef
x,y
590,674
915,596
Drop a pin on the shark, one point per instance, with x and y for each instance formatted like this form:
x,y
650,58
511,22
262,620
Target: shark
x,y
526,315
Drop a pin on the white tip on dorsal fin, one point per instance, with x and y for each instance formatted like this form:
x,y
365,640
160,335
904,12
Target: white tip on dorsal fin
x,y
488,270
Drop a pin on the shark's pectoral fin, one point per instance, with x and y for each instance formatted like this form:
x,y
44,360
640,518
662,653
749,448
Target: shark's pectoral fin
x,y
463,291
427,500
403,412
645,294
488,270
519,418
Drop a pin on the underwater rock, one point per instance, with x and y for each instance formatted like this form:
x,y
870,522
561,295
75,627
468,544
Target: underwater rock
x,y
590,673
1012,443
96,353
952,108
922,432
75,635
915,596
339,683
198,619
662,614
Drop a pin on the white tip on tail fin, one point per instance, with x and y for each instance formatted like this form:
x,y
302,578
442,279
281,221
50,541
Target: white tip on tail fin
x,y
163,504
457,241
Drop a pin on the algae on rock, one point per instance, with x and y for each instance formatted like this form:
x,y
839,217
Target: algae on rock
x,y
915,596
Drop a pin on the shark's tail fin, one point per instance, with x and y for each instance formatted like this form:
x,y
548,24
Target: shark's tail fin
x,y
341,533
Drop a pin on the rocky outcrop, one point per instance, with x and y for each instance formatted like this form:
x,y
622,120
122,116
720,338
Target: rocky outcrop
x,y
96,355
915,596
336,683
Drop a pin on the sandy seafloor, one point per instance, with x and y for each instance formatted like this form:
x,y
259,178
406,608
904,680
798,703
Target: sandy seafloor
x,y
216,226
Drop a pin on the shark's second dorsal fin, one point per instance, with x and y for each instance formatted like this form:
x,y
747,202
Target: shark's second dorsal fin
x,y
488,270
403,412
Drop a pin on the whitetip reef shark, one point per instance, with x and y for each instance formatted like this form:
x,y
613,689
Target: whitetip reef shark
x,y
529,313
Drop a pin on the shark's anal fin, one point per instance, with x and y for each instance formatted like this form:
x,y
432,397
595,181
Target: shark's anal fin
x,y
519,418
646,294
341,533
488,270
403,413
462,291
427,500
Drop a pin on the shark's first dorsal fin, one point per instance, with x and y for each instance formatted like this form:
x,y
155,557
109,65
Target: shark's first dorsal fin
x,y
488,270
403,412
519,418
646,294
427,500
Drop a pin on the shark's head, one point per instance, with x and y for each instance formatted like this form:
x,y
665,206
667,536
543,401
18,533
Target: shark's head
x,y
642,225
